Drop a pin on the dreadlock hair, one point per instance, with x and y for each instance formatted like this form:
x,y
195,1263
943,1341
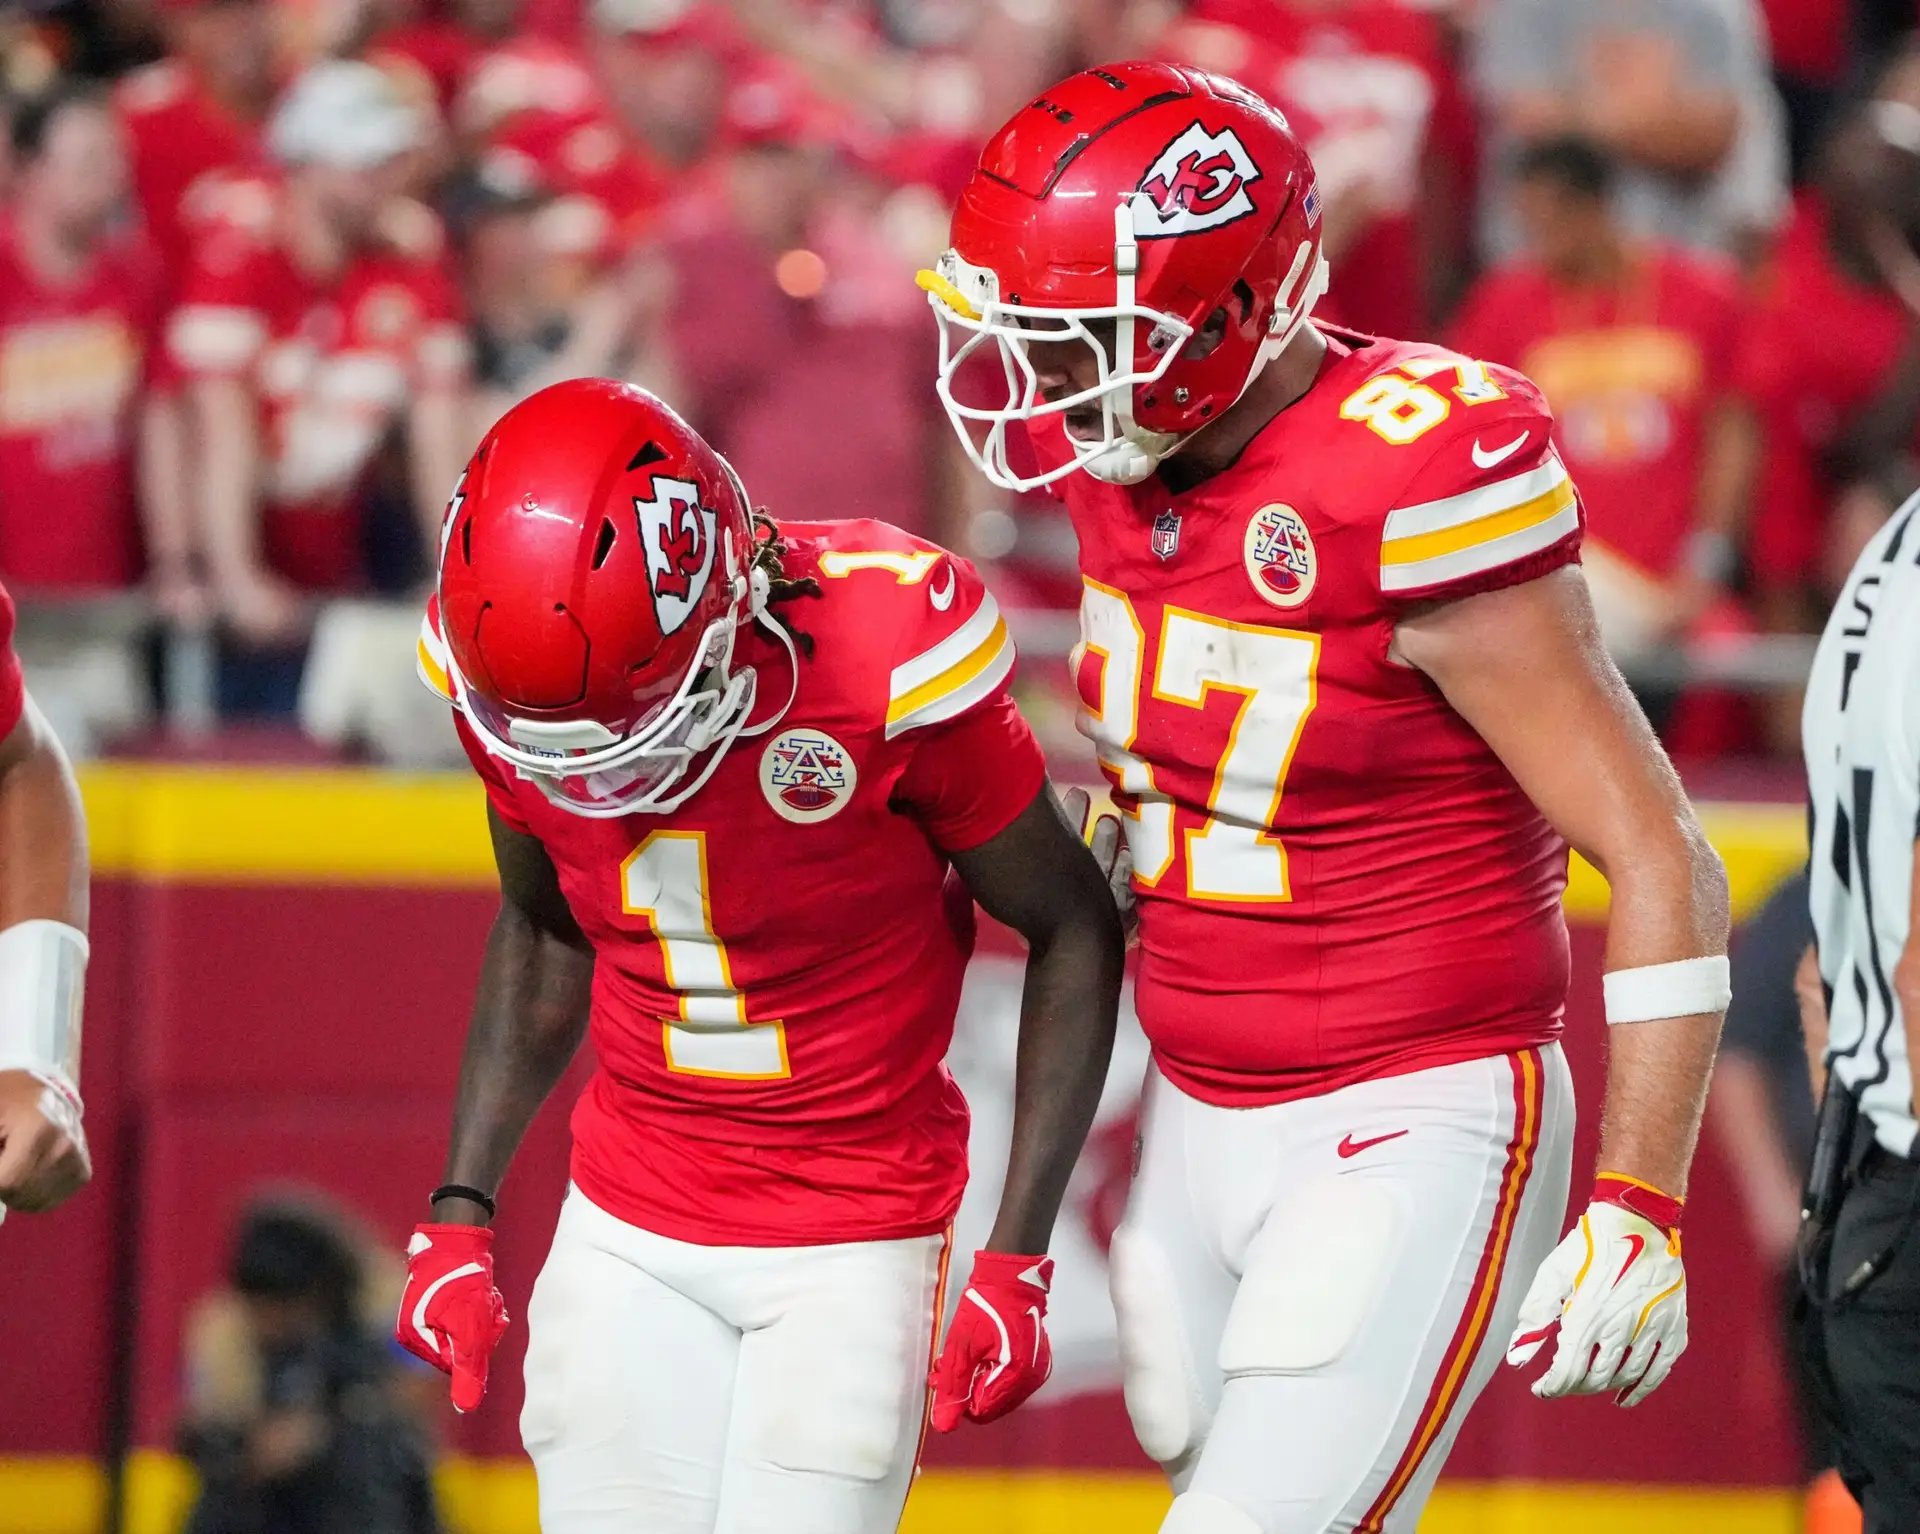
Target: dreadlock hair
x,y
769,555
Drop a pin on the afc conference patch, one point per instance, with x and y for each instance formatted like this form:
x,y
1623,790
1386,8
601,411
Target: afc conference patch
x,y
1279,554
806,775
1166,533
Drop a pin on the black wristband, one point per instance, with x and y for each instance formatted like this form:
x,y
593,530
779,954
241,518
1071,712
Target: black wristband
x,y
461,1190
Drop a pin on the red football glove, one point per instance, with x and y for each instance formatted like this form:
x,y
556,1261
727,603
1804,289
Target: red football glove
x,y
451,1315
997,1353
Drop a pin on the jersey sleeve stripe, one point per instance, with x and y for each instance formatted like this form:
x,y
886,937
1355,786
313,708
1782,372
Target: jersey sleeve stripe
x,y
1483,529
1471,505
432,659
941,658
950,695
1479,558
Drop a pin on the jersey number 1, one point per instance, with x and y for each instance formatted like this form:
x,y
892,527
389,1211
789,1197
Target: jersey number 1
x,y
664,879
1235,855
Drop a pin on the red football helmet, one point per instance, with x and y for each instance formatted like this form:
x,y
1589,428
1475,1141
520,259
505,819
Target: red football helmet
x,y
1150,195
595,568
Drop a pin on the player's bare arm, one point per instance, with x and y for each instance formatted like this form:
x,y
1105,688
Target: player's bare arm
x,y
1038,878
536,982
1524,666
528,1019
43,953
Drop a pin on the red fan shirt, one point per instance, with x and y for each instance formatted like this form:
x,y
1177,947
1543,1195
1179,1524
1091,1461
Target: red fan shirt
x,y
1632,373
1818,347
72,358
182,141
334,363
779,960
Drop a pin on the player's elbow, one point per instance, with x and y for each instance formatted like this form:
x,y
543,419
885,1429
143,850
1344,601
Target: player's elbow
x,y
1669,866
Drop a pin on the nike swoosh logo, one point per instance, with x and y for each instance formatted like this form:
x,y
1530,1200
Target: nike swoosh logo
x,y
942,600
1038,1332
1639,1245
465,1270
1487,460
1352,1147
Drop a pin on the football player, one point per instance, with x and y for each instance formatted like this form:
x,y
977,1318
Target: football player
x,y
1340,667
43,951
729,765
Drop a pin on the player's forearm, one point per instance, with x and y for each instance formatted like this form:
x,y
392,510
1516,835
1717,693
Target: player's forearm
x,y
527,1023
43,829
229,457
1669,903
1067,1018
164,515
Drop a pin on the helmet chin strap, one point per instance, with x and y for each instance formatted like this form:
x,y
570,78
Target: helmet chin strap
x,y
1138,452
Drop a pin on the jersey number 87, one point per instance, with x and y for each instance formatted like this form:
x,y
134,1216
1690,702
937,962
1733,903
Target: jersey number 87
x,y
1235,856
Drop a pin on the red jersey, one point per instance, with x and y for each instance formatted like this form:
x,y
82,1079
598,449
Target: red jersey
x,y
71,360
335,363
778,961
181,140
1818,347
13,687
1632,373
1337,878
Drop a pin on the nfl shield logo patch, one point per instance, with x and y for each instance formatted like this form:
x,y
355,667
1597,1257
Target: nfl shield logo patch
x,y
1166,533
806,775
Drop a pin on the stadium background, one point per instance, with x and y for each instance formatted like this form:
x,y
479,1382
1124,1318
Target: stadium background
x,y
290,900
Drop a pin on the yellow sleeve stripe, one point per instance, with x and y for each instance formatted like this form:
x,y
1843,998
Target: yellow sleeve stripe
x,y
938,659
1479,558
434,664
956,689
1483,529
1481,501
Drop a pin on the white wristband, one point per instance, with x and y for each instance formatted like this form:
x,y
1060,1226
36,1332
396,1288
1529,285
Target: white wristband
x,y
1684,988
43,970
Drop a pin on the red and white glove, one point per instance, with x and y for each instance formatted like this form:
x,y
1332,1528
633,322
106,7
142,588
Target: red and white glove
x,y
451,1315
1616,1290
997,1353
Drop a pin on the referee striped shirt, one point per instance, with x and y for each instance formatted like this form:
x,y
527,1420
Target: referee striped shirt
x,y
1861,734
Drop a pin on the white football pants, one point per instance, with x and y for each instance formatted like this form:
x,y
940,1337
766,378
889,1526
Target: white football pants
x,y
682,1389
1310,1295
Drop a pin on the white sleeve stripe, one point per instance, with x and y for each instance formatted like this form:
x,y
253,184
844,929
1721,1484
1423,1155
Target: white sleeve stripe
x,y
1471,505
952,704
948,653
1479,558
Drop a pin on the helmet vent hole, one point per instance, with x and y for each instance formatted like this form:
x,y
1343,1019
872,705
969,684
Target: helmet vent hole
x,y
650,452
559,607
603,546
466,540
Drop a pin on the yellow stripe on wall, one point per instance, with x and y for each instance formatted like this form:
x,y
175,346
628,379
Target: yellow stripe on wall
x,y
65,1496
227,825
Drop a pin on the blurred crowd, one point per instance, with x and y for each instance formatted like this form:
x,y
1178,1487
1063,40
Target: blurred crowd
x,y
268,268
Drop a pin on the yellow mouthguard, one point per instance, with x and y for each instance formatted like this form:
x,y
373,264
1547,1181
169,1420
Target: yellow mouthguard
x,y
947,293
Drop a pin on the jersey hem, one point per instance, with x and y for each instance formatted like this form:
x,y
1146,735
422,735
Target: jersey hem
x,y
1264,1091
635,1212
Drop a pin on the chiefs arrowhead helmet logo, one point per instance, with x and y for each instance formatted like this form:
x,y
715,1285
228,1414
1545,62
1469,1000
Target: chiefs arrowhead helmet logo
x,y
678,534
1197,182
